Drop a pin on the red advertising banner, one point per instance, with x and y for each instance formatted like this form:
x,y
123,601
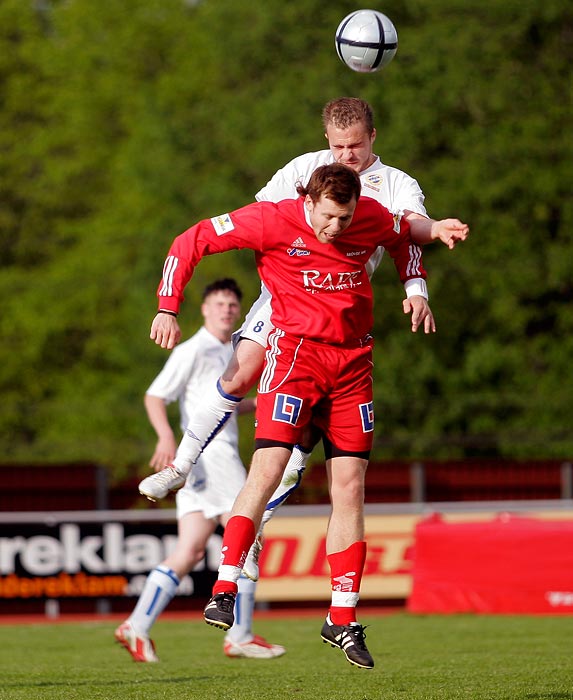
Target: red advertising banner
x,y
505,565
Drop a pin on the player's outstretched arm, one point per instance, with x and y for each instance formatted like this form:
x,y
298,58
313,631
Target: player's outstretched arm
x,y
165,331
422,315
449,231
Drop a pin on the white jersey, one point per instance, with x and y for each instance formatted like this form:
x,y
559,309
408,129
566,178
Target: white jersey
x,y
393,188
192,370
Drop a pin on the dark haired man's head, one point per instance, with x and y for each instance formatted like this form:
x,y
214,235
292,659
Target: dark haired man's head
x,y
330,198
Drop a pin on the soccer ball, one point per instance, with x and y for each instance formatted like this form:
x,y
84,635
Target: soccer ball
x,y
366,40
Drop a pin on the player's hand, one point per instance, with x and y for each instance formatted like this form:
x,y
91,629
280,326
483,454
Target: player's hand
x,y
164,454
165,331
421,313
450,232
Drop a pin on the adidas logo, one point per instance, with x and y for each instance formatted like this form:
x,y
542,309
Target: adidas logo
x,y
299,243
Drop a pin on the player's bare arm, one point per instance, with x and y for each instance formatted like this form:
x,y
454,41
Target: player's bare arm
x,y
166,446
424,230
165,331
422,315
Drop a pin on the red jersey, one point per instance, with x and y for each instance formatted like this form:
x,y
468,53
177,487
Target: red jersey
x,y
320,291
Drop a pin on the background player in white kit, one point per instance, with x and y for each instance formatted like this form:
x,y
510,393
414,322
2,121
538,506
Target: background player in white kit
x,y
208,495
349,128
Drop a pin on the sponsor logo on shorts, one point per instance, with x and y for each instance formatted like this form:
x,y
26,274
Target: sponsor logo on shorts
x,y
222,224
287,408
367,416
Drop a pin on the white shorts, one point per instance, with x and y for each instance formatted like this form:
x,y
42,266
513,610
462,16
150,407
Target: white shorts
x,y
257,324
214,482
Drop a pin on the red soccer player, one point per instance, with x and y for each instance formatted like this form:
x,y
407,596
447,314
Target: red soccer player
x,y
311,255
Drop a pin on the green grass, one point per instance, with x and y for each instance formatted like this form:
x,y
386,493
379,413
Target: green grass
x,y
417,658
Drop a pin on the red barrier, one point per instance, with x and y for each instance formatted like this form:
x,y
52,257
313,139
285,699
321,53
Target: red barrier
x,y
508,565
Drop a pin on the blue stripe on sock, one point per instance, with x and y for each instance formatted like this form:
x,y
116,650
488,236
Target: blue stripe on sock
x,y
230,397
154,601
216,430
281,499
224,419
170,573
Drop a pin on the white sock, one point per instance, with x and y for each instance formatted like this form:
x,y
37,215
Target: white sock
x,y
202,428
157,593
241,631
290,481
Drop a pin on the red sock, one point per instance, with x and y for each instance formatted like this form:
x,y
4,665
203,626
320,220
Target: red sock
x,y
237,540
346,569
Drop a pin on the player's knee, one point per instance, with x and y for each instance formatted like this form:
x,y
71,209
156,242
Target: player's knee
x,y
239,384
244,368
239,379
349,492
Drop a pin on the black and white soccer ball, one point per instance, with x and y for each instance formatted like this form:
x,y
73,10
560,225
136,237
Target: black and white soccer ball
x,y
366,40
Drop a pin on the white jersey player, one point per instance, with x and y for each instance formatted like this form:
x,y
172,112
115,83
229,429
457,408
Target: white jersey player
x,y
219,474
350,131
210,490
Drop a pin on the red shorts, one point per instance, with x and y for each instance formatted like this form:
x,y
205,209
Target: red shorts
x,y
331,385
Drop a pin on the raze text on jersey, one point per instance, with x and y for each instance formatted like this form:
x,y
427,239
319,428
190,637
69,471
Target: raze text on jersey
x,y
315,281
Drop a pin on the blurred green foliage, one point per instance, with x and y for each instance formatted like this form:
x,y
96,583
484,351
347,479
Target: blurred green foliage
x,y
123,123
